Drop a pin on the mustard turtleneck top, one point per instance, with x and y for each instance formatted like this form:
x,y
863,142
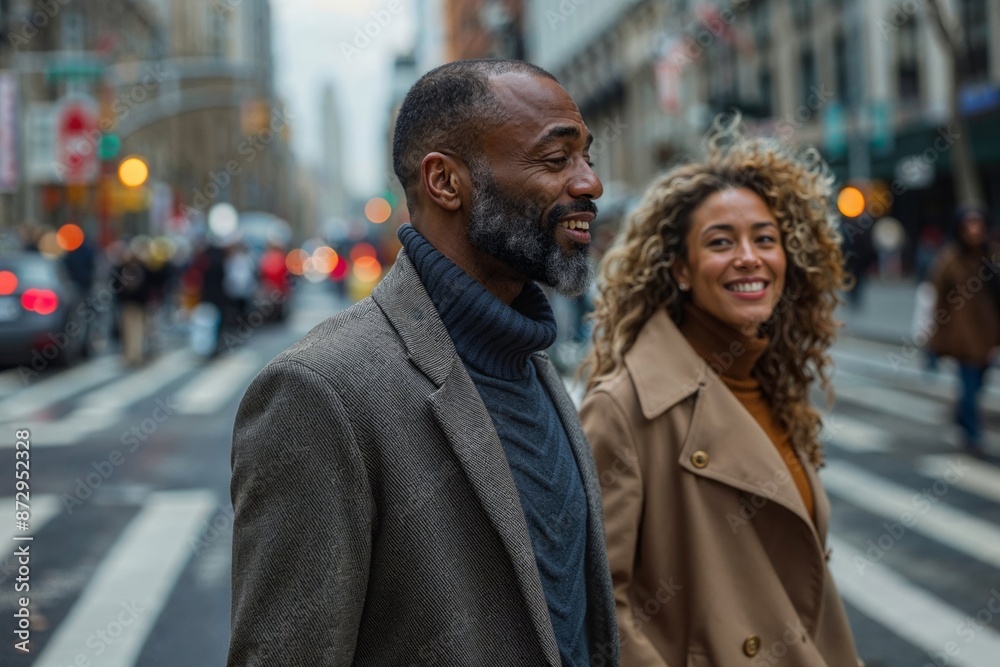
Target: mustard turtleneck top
x,y
715,342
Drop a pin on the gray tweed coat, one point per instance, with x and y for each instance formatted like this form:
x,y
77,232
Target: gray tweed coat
x,y
376,518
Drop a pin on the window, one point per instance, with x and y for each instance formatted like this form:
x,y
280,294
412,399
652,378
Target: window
x,y
841,65
801,11
807,74
907,59
975,21
766,95
761,19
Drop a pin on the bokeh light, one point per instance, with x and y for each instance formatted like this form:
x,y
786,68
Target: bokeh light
x,y
223,220
325,259
49,246
69,237
367,269
133,172
295,261
362,250
8,283
851,202
378,210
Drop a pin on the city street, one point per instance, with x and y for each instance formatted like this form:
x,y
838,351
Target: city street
x,y
130,512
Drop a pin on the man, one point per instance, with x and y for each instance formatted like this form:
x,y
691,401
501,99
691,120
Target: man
x,y
410,481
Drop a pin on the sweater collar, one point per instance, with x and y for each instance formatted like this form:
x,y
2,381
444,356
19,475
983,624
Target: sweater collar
x,y
731,353
492,337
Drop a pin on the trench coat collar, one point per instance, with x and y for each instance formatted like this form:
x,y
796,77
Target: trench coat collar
x,y
665,370
469,430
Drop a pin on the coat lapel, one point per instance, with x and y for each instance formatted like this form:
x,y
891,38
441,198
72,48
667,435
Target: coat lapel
x,y
666,370
603,622
468,428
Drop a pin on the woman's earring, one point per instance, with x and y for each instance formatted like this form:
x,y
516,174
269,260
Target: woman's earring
x,y
682,286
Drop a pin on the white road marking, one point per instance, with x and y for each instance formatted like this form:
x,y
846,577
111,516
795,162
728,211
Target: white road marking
x,y
854,435
43,508
51,390
132,584
896,403
922,511
210,389
117,396
978,477
911,613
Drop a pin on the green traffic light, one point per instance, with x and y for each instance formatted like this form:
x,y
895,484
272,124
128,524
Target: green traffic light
x,y
109,146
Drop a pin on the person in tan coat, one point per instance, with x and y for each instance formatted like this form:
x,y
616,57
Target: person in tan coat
x,y
966,318
714,318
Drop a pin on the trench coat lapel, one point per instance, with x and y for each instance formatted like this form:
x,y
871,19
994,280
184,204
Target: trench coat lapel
x,y
667,370
469,430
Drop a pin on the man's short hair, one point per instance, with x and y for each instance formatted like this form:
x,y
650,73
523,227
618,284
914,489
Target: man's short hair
x,y
449,108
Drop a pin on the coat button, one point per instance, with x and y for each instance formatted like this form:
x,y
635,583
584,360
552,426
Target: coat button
x,y
751,645
699,459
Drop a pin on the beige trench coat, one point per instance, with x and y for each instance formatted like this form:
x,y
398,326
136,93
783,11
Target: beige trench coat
x,y
714,560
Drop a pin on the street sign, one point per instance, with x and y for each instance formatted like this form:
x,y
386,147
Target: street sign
x,y
41,165
78,139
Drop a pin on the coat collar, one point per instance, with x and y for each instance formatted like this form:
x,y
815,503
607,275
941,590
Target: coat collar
x,y
666,370
469,430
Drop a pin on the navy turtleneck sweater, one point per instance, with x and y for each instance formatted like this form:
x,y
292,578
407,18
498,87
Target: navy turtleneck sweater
x,y
495,342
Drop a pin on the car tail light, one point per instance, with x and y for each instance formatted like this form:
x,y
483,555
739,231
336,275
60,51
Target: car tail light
x,y
41,301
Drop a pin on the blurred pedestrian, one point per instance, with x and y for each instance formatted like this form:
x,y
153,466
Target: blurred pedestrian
x,y
239,283
968,314
714,315
133,298
438,493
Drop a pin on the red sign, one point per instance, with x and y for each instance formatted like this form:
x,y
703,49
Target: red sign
x,y
78,138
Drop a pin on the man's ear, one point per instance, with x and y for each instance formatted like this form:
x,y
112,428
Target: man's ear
x,y
442,177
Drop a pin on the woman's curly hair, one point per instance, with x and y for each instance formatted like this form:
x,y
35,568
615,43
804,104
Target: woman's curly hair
x,y
636,280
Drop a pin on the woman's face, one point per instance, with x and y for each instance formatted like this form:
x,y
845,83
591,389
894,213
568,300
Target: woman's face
x,y
735,266
973,229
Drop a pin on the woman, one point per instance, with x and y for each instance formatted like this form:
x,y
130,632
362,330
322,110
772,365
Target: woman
x,y
713,319
966,316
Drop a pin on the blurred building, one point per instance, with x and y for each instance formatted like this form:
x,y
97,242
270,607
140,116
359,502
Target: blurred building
x,y
186,85
483,29
867,82
333,197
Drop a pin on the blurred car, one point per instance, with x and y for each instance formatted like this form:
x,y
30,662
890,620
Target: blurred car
x,y
42,322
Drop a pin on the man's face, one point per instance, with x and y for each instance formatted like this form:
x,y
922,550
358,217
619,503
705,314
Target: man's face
x,y
532,201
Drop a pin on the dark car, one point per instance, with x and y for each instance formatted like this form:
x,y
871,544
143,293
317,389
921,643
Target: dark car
x,y
42,322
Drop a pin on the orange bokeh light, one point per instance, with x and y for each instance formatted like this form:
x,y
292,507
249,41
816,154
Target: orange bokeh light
x,y
8,283
133,172
69,237
851,202
295,261
362,250
325,259
378,210
367,269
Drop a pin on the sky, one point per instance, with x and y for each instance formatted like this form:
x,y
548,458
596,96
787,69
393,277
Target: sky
x,y
309,41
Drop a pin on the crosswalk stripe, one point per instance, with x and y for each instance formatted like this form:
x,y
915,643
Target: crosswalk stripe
x,y
51,390
911,613
923,512
978,477
43,508
854,434
896,403
118,395
210,389
130,587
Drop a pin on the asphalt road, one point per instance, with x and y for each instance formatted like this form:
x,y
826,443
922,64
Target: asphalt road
x,y
131,522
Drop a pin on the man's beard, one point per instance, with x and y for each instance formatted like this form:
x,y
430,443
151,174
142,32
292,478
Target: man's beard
x,y
512,231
